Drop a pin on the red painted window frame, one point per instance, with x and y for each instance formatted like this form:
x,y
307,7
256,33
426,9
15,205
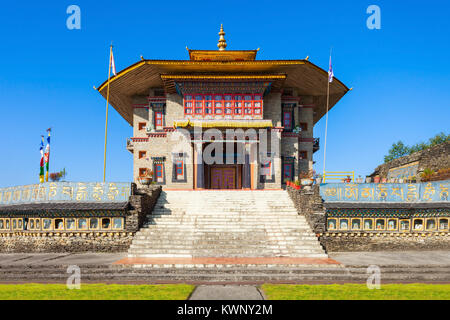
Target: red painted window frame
x,y
290,120
253,110
159,168
303,126
301,153
270,169
291,166
142,152
179,164
159,113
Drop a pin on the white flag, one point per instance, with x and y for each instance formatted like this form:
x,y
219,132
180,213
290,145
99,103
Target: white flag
x,y
112,63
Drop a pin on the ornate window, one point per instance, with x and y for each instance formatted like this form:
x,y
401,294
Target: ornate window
x,y
223,104
82,224
93,223
159,120
287,169
159,172
331,224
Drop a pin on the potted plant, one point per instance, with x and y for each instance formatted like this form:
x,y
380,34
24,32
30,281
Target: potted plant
x,y
427,174
318,178
147,178
376,179
297,185
368,179
56,176
348,179
306,178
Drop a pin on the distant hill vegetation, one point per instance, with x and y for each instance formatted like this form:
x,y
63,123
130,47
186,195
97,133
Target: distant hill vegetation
x,y
399,149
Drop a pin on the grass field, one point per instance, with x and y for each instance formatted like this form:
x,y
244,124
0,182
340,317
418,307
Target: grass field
x,y
357,292
94,292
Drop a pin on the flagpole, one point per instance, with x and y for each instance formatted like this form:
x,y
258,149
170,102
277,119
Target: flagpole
x,y
326,118
107,104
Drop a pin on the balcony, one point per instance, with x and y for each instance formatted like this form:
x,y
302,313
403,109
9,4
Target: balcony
x,y
316,145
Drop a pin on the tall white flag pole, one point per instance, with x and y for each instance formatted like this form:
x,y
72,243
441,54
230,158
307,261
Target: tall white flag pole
x,y
330,79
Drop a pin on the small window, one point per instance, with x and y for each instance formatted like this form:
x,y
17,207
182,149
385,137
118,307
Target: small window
x,y
159,172
179,170
266,169
142,125
303,126
59,224
142,154
31,224
303,155
142,172
343,224
70,224
392,224
19,224
288,171
379,224
38,224
418,224
117,223
2,225
356,224
368,224
93,223
158,120
404,225
208,107
82,224
331,224
14,224
431,224
287,120
7,224
106,223
46,224
247,107
443,224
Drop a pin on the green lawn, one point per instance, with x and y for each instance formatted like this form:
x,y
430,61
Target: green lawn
x,y
94,292
357,292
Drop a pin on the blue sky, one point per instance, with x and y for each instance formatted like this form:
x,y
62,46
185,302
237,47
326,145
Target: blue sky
x,y
400,74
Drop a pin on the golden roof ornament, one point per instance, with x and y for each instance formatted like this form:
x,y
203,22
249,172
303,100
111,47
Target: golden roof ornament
x,y
222,43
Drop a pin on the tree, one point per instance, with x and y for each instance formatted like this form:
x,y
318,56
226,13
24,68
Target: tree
x,y
439,138
396,151
399,149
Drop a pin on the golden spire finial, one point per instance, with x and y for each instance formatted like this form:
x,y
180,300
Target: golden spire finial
x,y
222,43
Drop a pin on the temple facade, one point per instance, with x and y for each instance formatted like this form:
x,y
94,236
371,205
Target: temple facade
x,y
222,119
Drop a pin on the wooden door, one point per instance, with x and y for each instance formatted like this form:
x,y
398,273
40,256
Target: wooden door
x,y
223,178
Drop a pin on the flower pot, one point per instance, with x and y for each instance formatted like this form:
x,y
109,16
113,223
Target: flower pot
x,y
376,179
368,179
145,181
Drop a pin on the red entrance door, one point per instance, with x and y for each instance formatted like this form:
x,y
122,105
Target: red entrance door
x,y
223,178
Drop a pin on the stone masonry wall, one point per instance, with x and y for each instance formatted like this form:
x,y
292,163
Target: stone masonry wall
x,y
309,203
141,204
435,158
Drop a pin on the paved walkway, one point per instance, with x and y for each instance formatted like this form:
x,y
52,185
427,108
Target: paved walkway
x,y
392,258
348,258
226,292
229,261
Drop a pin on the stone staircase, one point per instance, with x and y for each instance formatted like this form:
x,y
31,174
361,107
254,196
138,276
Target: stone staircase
x,y
225,223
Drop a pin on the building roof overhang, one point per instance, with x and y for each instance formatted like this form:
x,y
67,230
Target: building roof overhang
x,y
304,76
225,55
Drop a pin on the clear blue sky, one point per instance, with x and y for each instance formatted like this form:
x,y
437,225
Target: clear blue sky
x,y
400,74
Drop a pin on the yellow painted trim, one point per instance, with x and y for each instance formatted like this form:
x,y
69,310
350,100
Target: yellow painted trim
x,y
164,76
188,62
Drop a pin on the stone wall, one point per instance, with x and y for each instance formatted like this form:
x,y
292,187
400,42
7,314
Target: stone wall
x,y
334,242
435,158
308,202
141,203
